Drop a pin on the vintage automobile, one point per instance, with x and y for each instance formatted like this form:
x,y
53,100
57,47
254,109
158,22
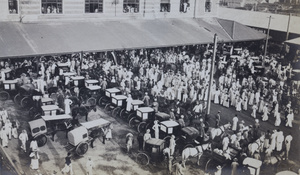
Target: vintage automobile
x,y
49,125
24,98
147,124
143,115
79,138
8,90
168,128
135,104
153,152
117,103
90,94
109,93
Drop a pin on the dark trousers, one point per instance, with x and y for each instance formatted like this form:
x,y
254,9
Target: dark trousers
x,y
104,138
92,142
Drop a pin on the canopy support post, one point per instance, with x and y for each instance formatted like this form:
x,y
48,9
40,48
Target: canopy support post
x,y
212,73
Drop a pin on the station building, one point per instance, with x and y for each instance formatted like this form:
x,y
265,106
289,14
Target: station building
x,y
45,27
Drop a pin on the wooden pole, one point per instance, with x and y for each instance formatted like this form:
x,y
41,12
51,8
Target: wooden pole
x,y
212,73
267,39
195,8
288,28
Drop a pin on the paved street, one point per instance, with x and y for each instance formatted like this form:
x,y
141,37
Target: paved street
x,y
111,157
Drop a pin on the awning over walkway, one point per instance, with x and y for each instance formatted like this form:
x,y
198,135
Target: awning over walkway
x,y
17,39
295,41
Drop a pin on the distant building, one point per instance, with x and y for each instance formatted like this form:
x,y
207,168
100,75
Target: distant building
x,y
49,10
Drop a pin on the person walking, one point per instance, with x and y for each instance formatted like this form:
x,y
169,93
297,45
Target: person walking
x,y
24,138
4,138
68,165
172,145
279,140
129,142
140,139
234,166
278,119
225,143
34,155
219,170
146,99
109,132
265,110
234,123
104,130
178,168
8,128
67,103
254,109
33,145
156,129
218,119
129,101
147,136
273,140
290,118
288,140
181,121
267,139
94,135
89,166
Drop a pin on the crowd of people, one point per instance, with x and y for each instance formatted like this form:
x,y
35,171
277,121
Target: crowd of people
x,y
176,80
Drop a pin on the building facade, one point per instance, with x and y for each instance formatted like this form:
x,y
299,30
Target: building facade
x,y
51,10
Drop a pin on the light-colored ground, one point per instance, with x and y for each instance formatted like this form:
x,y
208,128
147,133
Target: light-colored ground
x,y
109,158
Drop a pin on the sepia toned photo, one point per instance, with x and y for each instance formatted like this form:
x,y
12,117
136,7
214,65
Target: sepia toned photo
x,y
149,87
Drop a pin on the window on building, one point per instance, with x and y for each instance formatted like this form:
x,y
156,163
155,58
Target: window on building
x,y
51,6
131,6
165,6
13,6
93,6
207,6
184,6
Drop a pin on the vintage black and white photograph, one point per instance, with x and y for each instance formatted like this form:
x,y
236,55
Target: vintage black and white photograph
x,y
150,87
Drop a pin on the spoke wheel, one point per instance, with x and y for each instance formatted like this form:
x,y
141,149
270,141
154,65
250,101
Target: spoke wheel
x,y
4,96
116,111
107,107
133,122
210,166
142,127
31,112
101,102
130,116
142,159
122,113
41,140
26,102
17,99
82,148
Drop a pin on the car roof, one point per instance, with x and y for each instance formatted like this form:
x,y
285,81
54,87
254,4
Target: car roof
x,y
36,123
96,123
191,131
145,109
56,117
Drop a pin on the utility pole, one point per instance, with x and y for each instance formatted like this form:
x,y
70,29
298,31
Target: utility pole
x,y
267,39
195,8
288,28
212,73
